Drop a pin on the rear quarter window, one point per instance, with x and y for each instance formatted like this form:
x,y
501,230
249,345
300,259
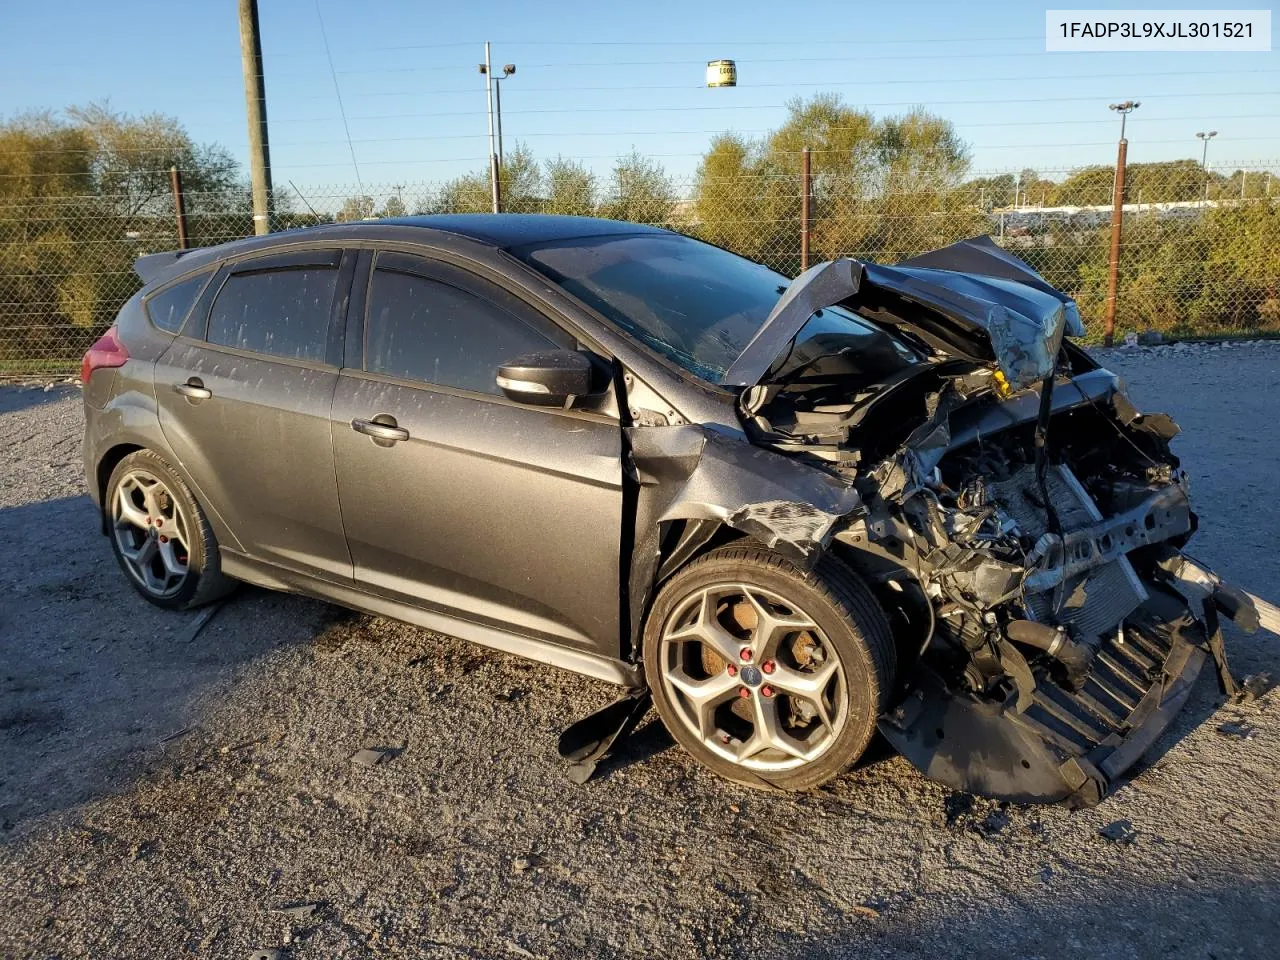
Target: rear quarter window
x,y
168,309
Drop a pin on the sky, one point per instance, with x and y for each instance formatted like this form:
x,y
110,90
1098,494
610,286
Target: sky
x,y
595,80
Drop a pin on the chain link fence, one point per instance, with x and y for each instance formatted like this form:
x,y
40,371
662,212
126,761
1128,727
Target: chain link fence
x,y
1201,253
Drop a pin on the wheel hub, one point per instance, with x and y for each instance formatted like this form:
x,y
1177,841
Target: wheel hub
x,y
718,647
141,507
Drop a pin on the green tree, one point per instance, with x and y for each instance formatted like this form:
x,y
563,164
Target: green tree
x,y
640,191
1088,187
570,188
355,208
521,182
84,194
730,195
132,156
394,207
922,161
880,188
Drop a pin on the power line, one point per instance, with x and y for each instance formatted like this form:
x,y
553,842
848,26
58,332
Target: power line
x,y
718,43
699,62
860,83
338,93
667,132
624,133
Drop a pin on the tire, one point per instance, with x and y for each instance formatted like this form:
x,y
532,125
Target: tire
x,y
796,622
145,482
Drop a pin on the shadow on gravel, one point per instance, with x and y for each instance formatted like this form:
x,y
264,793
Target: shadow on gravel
x,y
13,399
94,681
1063,917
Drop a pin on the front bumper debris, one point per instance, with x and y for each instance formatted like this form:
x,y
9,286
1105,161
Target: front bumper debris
x,y
1062,745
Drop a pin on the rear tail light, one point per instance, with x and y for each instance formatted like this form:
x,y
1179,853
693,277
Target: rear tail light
x,y
107,351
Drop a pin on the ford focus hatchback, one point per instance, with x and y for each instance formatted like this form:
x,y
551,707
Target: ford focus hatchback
x,y
791,512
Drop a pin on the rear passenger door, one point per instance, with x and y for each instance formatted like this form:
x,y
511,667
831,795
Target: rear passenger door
x,y
244,396
458,499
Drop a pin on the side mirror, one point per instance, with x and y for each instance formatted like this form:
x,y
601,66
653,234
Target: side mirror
x,y
547,377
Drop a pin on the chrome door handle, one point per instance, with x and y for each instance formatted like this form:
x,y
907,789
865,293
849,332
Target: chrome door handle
x,y
380,431
193,389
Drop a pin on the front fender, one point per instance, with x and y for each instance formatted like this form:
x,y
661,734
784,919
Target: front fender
x,y
692,473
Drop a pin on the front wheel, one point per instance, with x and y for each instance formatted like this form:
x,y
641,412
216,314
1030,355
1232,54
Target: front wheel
x,y
769,674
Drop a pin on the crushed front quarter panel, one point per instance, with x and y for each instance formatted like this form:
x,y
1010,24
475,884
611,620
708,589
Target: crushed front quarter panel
x,y
692,473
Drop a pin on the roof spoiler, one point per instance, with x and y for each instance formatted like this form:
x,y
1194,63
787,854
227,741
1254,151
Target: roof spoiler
x,y
153,264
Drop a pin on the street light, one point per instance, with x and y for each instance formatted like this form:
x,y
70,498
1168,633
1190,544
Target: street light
x,y
1204,155
492,93
507,71
1124,109
1204,158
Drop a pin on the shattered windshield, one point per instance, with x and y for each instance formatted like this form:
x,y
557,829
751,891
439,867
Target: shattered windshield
x,y
695,304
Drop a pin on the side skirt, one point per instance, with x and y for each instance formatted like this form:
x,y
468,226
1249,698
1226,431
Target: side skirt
x,y
350,595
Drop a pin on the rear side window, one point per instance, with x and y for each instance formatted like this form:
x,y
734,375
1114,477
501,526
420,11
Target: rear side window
x,y
282,313
169,308
423,329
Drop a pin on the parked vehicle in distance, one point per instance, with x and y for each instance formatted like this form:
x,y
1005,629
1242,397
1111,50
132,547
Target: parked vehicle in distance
x,y
796,511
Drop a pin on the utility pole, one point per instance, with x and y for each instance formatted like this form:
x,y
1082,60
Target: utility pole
x,y
255,101
495,185
1204,158
179,206
1117,221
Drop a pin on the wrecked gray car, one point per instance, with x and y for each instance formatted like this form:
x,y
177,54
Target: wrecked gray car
x,y
788,513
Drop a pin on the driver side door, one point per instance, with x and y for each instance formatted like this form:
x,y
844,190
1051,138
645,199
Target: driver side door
x,y
458,499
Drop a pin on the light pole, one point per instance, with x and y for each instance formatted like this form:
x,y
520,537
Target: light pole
x,y
1204,157
493,103
1117,221
507,71
494,186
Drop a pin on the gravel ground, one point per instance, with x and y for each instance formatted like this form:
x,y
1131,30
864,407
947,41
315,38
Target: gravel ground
x,y
162,796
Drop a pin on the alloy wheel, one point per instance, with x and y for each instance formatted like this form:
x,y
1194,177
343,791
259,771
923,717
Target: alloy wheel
x,y
753,677
151,533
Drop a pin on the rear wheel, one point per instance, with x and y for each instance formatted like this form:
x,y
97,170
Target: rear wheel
x,y
769,674
160,536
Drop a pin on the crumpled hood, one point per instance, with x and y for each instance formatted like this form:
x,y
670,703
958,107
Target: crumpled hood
x,y
971,299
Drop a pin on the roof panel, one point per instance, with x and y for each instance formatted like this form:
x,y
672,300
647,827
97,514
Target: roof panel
x,y
516,229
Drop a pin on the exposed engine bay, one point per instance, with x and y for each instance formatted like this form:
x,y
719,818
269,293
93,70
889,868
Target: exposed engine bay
x,y
1022,522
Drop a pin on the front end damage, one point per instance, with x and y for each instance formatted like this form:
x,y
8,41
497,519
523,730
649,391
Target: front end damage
x,y
1020,520
1059,637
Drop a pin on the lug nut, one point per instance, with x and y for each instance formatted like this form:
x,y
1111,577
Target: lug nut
x,y
733,671
766,690
767,666
164,539
745,654
744,693
725,738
